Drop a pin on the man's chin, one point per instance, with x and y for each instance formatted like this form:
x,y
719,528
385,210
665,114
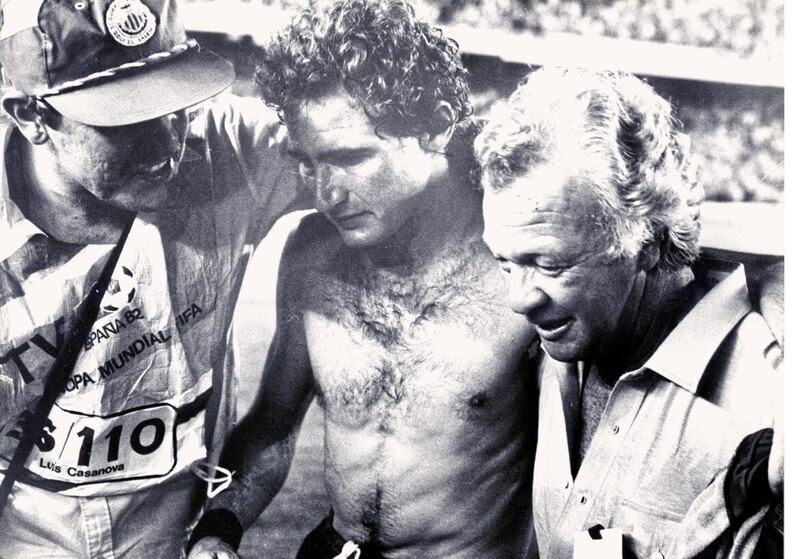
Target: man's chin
x,y
152,198
144,205
566,353
356,238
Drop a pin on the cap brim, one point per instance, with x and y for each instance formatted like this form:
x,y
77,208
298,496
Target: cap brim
x,y
162,89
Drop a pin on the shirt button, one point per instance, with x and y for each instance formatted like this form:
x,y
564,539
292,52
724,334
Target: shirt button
x,y
566,485
583,499
615,430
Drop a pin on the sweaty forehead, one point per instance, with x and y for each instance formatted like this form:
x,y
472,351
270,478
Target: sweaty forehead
x,y
331,119
548,204
549,194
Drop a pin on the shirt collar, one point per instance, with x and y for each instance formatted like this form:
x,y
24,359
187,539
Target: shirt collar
x,y
683,356
15,228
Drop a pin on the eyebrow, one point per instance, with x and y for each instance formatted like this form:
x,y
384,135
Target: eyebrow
x,y
327,155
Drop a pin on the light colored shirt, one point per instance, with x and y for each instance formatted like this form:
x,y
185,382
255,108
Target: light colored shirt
x,y
153,388
139,408
655,465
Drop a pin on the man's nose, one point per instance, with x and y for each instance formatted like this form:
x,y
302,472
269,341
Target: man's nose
x,y
525,295
328,187
166,133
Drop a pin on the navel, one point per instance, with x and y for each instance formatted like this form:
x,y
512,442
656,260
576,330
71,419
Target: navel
x,y
478,400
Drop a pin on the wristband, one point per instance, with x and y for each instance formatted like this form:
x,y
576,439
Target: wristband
x,y
217,523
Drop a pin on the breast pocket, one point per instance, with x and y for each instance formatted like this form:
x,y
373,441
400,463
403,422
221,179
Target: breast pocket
x,y
649,531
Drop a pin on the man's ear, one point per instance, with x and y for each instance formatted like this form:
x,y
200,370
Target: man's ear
x,y
649,256
22,109
446,117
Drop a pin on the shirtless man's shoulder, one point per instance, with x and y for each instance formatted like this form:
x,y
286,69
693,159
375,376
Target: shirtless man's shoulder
x,y
313,242
308,253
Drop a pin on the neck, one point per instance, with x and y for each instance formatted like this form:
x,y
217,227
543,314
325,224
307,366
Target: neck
x,y
448,216
64,211
658,310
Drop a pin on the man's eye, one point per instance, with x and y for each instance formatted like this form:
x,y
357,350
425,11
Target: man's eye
x,y
349,159
550,268
504,265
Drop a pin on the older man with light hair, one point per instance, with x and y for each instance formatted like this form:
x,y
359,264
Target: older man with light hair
x,y
650,372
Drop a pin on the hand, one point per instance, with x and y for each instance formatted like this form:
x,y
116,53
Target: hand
x,y
775,468
747,484
212,548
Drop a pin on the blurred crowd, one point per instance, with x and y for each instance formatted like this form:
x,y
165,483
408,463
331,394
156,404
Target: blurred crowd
x,y
740,148
747,27
737,136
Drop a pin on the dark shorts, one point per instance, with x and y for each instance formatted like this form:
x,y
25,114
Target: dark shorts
x,y
324,542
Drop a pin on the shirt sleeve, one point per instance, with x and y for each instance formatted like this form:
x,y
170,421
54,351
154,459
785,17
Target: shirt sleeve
x,y
706,530
745,387
248,131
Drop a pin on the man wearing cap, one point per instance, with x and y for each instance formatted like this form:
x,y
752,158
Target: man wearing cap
x,y
101,136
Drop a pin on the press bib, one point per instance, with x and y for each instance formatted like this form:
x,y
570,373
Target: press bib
x,y
82,449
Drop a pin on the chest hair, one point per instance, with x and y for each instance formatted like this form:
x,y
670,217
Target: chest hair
x,y
388,306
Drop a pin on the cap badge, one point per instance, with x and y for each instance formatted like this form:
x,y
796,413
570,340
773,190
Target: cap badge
x,y
130,22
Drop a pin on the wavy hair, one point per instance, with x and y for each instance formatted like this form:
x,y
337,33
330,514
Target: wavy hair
x,y
619,136
402,70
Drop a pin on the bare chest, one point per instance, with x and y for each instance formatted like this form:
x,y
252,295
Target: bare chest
x,y
418,350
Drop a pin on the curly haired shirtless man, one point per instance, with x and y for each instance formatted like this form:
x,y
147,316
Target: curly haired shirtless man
x,y
391,309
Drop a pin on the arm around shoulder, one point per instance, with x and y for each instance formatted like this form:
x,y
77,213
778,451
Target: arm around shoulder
x,y
250,132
